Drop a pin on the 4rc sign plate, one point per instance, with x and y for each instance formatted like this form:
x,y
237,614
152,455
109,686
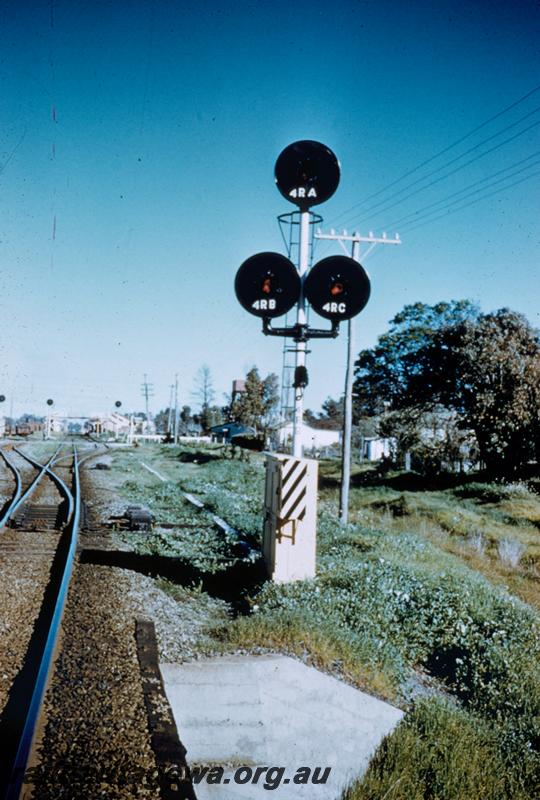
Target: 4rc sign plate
x,y
337,288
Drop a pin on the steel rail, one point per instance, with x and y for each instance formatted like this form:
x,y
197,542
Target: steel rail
x,y
21,498
92,454
60,586
16,493
56,478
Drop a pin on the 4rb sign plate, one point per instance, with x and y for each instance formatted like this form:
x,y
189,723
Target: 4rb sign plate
x,y
267,285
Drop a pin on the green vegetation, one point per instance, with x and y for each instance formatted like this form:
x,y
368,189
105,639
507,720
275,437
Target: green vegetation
x,y
193,536
441,751
412,602
446,379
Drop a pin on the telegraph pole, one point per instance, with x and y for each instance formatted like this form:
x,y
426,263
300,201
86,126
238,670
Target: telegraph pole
x,y
355,240
176,408
147,390
169,416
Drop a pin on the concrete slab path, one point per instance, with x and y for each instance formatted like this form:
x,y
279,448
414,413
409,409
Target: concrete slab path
x,y
271,711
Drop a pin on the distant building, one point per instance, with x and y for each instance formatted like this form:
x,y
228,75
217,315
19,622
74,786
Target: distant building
x,y
311,438
57,424
224,433
113,423
374,448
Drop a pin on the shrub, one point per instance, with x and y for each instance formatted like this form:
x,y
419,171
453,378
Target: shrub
x,y
510,551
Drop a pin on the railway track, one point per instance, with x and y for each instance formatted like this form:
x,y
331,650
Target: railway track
x,y
38,539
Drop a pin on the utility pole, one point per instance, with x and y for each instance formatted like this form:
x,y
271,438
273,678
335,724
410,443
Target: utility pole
x,y
147,390
176,408
169,416
355,240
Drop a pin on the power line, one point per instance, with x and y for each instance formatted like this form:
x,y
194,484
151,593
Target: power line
x,y
457,169
443,200
440,153
466,205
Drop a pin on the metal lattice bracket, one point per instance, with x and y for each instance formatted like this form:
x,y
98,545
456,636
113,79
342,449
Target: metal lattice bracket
x,y
300,333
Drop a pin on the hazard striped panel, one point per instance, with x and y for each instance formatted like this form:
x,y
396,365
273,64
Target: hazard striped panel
x,y
293,489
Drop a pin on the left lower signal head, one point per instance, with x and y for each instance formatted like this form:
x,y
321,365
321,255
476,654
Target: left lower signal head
x,y
267,285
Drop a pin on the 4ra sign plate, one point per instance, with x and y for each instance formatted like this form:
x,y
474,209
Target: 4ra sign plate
x,y
307,173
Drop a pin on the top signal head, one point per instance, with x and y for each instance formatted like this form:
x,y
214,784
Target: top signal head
x,y
2,398
50,401
307,173
118,403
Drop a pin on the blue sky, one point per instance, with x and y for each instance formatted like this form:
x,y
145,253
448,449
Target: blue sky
x,y
137,149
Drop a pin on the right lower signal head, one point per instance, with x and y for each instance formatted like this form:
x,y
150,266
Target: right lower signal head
x,y
337,288
267,285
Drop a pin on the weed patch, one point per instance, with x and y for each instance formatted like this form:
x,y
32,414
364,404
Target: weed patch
x,y
440,751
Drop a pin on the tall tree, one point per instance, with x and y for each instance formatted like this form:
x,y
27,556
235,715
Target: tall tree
x,y
210,416
203,387
329,418
449,356
257,405
497,365
407,366
332,410
161,419
270,415
185,421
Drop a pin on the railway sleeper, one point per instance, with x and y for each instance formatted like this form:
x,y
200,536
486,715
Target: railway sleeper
x,y
37,517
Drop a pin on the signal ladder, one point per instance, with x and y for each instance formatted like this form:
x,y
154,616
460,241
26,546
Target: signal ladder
x,y
289,225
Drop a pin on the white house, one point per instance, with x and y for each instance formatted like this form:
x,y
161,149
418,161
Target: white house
x,y
375,448
311,438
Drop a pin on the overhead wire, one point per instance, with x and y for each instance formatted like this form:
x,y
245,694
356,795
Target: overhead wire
x,y
457,169
466,205
467,189
439,153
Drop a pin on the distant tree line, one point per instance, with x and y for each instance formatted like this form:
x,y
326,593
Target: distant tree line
x,y
256,407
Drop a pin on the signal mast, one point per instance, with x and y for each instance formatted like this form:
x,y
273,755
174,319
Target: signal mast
x,y
269,285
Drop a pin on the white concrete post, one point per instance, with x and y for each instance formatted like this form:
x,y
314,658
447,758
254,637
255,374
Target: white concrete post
x,y
290,521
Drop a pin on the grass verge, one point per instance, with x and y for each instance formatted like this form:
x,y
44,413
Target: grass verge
x,y
406,591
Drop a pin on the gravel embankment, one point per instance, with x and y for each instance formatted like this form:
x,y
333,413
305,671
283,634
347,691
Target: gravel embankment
x,y
23,582
96,742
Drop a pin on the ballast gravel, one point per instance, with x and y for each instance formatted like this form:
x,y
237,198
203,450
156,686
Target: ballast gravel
x,y
96,741
23,582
